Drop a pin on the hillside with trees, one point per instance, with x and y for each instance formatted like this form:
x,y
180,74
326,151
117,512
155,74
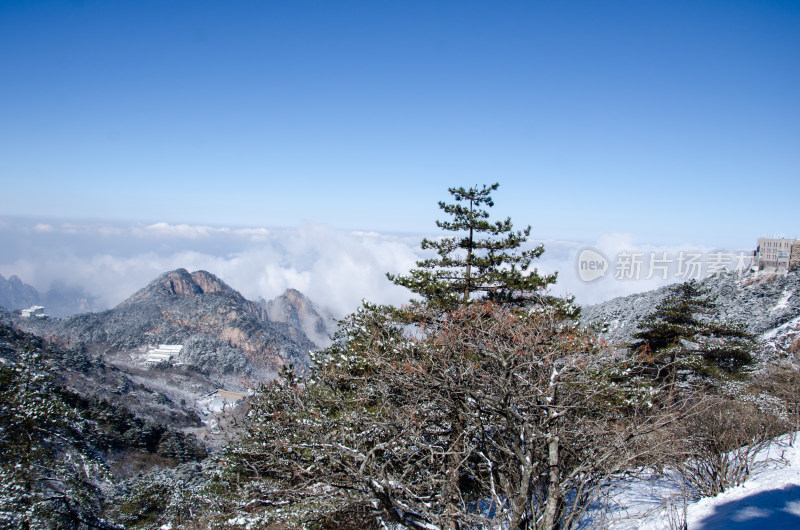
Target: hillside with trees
x,y
484,402
65,455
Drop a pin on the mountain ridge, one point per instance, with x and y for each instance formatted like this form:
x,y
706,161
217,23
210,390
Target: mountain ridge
x,y
221,330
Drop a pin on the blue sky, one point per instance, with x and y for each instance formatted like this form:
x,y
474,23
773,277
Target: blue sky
x,y
663,120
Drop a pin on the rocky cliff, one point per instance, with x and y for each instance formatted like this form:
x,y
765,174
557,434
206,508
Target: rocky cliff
x,y
294,309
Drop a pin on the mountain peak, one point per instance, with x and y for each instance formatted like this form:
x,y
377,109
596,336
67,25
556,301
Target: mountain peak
x,y
181,283
220,330
208,283
15,294
295,297
295,309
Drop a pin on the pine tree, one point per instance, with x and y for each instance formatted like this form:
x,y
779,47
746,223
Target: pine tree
x,y
483,260
684,333
48,473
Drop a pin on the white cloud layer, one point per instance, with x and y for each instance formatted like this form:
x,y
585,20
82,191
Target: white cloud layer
x,y
334,268
166,230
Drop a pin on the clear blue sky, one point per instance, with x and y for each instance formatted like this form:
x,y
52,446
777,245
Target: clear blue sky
x,y
662,119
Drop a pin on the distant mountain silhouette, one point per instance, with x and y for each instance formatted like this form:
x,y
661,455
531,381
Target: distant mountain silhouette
x,y
59,300
296,310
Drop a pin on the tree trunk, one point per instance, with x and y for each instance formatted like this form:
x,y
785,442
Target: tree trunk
x,y
520,504
469,256
553,505
553,488
451,494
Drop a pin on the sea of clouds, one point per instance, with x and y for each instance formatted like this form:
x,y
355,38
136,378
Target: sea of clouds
x,y
335,268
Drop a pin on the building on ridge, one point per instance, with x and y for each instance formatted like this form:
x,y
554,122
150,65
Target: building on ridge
x,y
777,253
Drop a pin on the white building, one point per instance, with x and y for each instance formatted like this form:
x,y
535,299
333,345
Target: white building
x,y
777,252
35,311
164,353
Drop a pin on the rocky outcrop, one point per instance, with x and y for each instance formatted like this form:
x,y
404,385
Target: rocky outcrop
x,y
297,311
181,283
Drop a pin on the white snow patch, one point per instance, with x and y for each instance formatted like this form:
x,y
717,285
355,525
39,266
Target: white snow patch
x,y
769,499
771,334
783,303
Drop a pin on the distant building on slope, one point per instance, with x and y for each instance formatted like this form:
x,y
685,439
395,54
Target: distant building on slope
x,y
231,397
35,311
164,353
777,253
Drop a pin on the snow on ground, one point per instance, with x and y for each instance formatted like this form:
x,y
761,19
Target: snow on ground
x,y
783,303
215,403
770,498
773,333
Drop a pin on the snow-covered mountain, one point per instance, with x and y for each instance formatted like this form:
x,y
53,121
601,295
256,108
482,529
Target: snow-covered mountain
x,y
220,331
768,303
228,346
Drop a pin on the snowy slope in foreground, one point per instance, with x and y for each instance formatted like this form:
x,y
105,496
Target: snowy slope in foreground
x,y
769,499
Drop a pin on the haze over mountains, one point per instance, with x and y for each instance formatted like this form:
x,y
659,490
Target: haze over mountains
x,y
111,261
335,268
60,299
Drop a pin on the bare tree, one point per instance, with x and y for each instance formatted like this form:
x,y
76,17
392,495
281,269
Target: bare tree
x,y
484,415
723,442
